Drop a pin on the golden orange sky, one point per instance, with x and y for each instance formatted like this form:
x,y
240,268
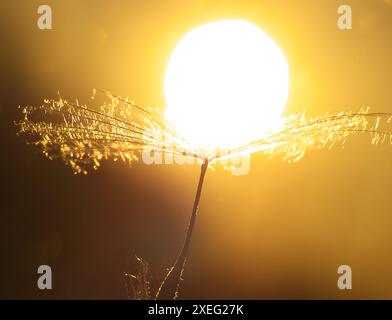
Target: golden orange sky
x,y
279,232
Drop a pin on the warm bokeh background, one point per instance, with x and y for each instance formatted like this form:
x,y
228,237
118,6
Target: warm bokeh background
x,y
279,232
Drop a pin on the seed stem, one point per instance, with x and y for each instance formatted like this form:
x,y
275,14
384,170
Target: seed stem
x,y
169,288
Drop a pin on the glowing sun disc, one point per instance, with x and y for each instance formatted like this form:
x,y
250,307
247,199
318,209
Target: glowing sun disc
x,y
226,84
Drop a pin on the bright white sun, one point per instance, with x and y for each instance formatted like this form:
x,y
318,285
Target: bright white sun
x,y
226,84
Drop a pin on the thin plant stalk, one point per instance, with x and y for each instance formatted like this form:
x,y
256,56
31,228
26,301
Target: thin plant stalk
x,y
170,285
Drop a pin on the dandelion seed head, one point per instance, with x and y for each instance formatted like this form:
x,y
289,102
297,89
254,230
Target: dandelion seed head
x,y
120,129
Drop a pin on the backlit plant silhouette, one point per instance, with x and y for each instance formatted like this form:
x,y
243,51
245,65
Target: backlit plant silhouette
x,y
120,130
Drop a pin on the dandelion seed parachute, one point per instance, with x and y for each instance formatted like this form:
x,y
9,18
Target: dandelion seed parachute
x,y
120,129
